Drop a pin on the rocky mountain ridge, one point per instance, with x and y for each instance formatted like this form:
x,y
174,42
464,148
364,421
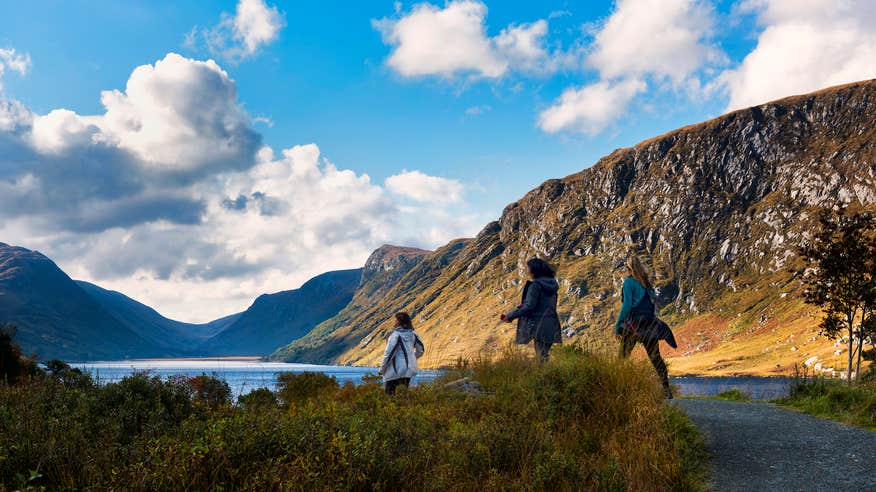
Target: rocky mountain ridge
x,y
716,209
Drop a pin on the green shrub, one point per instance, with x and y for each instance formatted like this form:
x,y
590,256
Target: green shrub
x,y
297,388
210,390
258,398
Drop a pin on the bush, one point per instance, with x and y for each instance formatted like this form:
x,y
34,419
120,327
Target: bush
x,y
210,391
578,422
297,388
258,398
68,375
13,365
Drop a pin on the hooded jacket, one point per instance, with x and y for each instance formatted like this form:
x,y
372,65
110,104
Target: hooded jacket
x,y
403,348
537,316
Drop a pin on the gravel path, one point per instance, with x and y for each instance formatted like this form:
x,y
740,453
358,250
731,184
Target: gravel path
x,y
759,446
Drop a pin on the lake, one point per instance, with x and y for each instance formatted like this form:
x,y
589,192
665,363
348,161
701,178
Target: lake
x,y
244,376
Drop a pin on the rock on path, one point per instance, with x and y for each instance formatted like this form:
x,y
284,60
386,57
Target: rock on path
x,y
759,446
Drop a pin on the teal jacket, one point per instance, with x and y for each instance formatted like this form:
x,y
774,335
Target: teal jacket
x,y
632,295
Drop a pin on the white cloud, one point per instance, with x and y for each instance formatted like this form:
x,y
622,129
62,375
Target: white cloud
x,y
449,41
241,35
424,188
138,198
14,61
590,109
178,115
804,46
256,24
264,230
643,40
665,39
478,109
522,46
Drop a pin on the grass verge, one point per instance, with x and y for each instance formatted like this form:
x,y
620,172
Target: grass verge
x,y
835,400
578,422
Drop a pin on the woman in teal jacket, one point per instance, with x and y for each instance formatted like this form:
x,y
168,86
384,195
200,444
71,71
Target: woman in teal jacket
x,y
638,310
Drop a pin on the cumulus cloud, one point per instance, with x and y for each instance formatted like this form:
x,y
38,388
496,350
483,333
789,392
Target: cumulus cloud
x,y
449,41
804,46
239,36
664,39
590,109
170,196
664,42
14,61
424,188
177,122
180,115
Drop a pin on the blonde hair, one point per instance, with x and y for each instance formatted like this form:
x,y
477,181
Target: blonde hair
x,y
639,271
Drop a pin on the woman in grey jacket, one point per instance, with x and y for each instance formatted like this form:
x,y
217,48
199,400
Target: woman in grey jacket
x,y
403,348
537,315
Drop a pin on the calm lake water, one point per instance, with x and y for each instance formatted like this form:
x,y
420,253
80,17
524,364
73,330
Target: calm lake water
x,y
241,376
245,376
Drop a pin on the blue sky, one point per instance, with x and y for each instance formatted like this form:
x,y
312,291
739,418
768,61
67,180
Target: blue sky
x,y
452,110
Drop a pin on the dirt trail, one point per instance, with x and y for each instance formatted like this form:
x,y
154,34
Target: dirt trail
x,y
759,446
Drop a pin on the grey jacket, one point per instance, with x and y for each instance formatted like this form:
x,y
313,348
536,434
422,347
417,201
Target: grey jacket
x,y
403,348
537,316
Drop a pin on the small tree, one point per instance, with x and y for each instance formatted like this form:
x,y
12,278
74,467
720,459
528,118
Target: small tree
x,y
11,367
840,279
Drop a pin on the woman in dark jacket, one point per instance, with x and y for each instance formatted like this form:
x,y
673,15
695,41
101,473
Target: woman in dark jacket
x,y
537,317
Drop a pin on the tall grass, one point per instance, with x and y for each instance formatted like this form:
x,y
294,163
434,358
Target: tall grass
x,y
834,399
577,422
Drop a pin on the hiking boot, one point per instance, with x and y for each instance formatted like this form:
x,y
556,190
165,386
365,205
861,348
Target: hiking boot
x,y
667,392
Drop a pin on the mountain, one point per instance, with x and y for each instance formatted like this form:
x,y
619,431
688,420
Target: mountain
x,y
149,324
382,278
276,319
717,209
56,318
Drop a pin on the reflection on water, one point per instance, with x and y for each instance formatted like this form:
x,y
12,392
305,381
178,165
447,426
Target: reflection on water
x,y
241,376
245,376
760,388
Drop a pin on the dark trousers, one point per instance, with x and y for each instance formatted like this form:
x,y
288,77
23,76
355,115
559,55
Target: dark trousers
x,y
395,383
542,350
628,343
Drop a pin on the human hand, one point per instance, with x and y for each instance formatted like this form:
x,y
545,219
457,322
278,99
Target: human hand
x,y
503,317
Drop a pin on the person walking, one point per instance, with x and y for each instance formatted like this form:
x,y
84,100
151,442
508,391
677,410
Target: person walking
x,y
537,317
403,348
638,317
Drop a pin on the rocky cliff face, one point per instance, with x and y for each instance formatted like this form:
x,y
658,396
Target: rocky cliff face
x,y
716,209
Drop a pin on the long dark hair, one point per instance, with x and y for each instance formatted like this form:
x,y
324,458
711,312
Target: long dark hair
x,y
404,320
639,272
540,268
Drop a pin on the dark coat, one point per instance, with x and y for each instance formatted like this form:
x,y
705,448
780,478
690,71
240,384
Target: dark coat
x,y
537,316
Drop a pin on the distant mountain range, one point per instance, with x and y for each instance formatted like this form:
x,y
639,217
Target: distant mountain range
x,y
276,319
57,317
716,209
